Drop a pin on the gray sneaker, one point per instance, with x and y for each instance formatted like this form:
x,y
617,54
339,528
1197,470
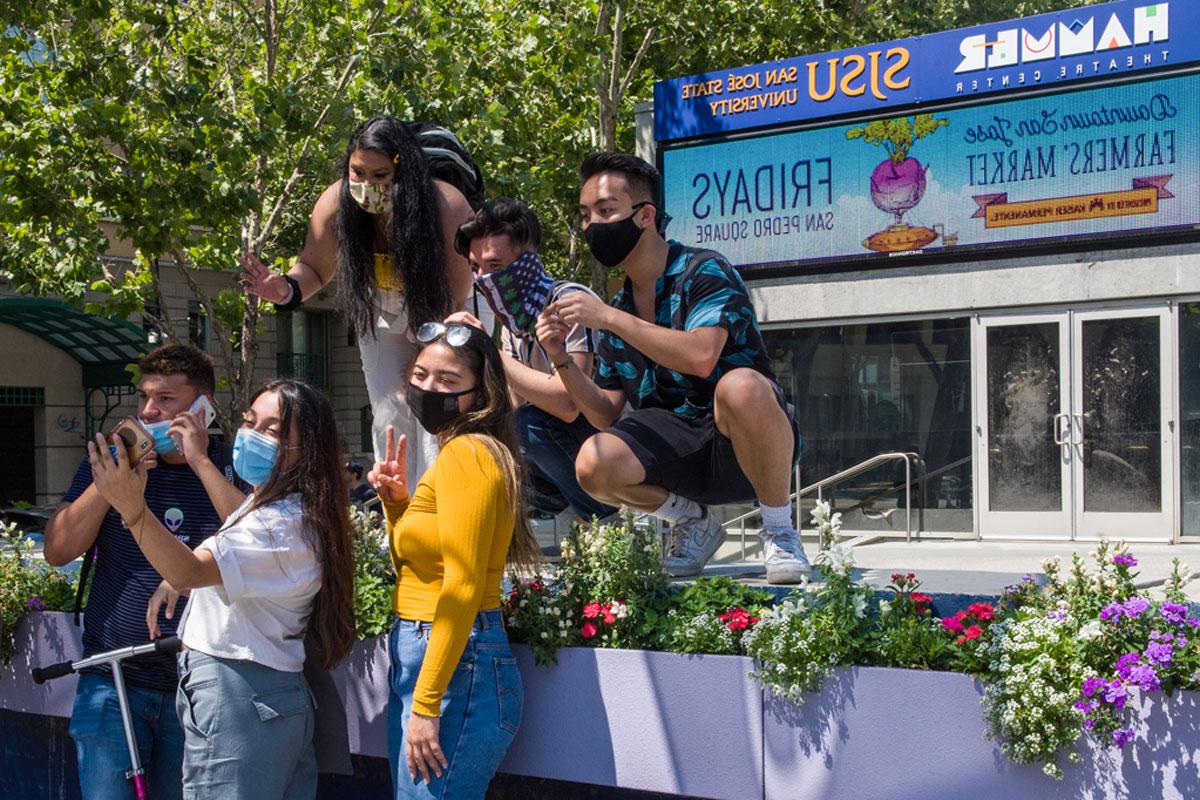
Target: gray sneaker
x,y
784,556
691,542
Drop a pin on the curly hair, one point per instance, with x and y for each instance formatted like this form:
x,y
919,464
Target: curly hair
x,y
414,233
501,217
181,359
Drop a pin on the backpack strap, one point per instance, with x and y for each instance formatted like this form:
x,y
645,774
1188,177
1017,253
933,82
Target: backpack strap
x,y
85,573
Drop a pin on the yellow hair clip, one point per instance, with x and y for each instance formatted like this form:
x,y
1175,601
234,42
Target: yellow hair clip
x,y
396,158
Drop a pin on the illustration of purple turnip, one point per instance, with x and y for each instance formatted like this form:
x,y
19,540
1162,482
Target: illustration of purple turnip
x,y
898,182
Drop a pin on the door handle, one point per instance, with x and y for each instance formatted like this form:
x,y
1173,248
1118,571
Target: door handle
x,y
1059,439
1079,419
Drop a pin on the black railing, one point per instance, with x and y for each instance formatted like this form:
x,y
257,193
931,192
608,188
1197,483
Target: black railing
x,y
305,366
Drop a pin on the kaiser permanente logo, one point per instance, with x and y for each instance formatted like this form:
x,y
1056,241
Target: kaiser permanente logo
x,y
1011,47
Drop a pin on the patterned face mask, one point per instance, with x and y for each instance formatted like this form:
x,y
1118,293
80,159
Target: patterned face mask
x,y
375,198
518,293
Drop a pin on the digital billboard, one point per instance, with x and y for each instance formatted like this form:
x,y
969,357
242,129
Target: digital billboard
x,y
1108,161
1048,51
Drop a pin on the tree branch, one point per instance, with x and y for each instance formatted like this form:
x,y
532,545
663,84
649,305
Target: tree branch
x,y
637,62
260,237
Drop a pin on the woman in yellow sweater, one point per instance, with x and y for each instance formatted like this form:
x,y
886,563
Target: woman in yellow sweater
x,y
455,692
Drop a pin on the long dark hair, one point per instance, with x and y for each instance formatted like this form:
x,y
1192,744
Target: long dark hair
x,y
414,232
490,421
317,476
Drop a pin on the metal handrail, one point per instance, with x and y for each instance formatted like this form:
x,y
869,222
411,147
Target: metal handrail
x,y
818,487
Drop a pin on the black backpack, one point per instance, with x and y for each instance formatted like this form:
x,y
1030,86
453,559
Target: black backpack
x,y
449,161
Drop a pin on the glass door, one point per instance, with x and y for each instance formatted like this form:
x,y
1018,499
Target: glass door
x,y
1074,425
1121,424
1022,426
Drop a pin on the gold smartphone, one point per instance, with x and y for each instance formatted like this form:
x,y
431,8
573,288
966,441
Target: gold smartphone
x,y
135,438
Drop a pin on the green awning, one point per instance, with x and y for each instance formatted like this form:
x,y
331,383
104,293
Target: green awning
x,y
102,345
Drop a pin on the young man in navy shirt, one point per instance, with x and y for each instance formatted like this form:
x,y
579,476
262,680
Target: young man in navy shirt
x,y
191,489
680,345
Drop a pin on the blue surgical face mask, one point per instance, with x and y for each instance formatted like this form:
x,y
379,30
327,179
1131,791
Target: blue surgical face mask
x,y
254,456
163,444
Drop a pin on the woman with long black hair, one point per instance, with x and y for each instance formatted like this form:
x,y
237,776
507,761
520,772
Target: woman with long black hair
x,y
273,586
386,229
455,693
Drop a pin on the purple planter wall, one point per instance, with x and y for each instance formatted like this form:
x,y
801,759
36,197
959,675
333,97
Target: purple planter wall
x,y
642,720
698,725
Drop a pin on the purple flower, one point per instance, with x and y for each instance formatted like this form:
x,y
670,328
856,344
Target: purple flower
x,y
1125,663
35,603
1115,694
1122,737
1160,654
1089,723
1093,685
1058,615
1085,706
1145,678
1177,614
1136,606
1125,561
1133,608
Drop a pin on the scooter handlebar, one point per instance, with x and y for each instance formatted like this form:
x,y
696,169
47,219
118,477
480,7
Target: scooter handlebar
x,y
43,674
168,644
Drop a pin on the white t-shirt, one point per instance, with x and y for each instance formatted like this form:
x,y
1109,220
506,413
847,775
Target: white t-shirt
x,y
269,576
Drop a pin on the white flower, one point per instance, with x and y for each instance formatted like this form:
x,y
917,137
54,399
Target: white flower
x,y
1090,631
885,606
837,558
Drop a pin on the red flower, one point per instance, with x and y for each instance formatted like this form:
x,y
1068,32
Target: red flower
x,y
921,599
537,586
588,630
737,619
591,610
972,632
609,617
981,611
897,577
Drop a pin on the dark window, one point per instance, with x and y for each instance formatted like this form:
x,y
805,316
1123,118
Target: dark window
x,y
303,349
862,390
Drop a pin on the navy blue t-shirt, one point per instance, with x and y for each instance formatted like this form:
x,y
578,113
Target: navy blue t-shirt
x,y
123,581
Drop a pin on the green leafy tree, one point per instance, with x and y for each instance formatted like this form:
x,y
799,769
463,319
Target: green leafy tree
x,y
187,132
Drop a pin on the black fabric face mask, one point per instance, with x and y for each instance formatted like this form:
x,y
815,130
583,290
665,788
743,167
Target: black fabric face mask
x,y
612,242
434,410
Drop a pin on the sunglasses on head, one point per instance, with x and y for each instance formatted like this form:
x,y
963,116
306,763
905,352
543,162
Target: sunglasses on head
x,y
456,334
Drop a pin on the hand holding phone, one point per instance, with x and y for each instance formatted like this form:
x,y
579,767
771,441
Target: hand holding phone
x,y
138,442
189,430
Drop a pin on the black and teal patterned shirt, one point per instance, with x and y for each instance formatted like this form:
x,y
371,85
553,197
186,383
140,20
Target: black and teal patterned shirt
x,y
711,294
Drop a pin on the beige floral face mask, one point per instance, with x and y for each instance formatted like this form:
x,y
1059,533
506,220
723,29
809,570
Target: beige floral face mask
x,y
375,198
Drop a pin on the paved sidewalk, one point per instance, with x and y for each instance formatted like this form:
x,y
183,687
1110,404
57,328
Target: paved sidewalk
x,y
972,568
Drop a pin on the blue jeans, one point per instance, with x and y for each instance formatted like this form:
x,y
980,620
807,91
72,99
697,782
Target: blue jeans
x,y
481,708
100,745
550,447
249,730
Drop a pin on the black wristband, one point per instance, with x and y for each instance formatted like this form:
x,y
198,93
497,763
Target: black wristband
x,y
295,300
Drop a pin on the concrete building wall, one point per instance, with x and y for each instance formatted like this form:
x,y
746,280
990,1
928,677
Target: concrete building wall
x,y
28,360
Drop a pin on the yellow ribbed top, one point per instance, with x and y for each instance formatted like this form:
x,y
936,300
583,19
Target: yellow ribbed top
x,y
449,545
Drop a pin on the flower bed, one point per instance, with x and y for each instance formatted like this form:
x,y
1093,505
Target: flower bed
x,y
798,697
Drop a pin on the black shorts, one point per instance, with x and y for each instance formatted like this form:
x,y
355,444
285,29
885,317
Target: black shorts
x,y
690,457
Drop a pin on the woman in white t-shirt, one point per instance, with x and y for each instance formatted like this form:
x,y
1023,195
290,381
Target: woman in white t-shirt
x,y
275,580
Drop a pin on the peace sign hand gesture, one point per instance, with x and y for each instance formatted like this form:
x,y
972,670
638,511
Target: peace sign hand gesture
x,y
390,476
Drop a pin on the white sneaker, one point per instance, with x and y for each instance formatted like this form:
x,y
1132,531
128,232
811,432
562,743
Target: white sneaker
x,y
784,556
691,542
